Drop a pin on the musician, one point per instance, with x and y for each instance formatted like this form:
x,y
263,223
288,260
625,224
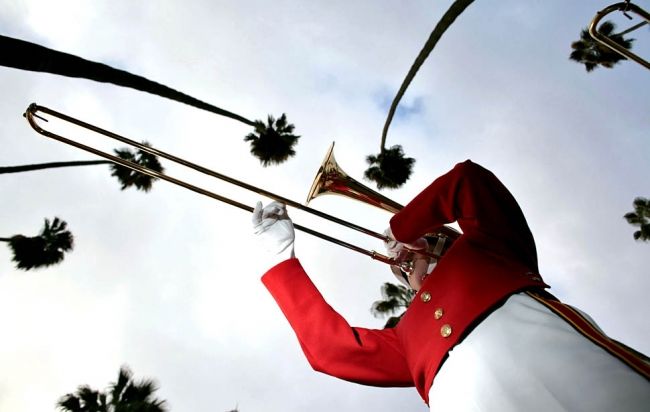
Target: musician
x,y
481,323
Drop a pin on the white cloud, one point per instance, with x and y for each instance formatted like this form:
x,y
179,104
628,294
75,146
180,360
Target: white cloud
x,y
168,281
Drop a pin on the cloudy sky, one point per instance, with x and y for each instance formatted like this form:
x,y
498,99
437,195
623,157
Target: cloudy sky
x,y
167,282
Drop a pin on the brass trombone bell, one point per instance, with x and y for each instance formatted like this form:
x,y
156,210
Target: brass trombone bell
x,y
31,115
331,179
606,41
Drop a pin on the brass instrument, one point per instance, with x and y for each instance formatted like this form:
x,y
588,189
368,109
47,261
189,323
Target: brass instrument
x,y
329,179
625,7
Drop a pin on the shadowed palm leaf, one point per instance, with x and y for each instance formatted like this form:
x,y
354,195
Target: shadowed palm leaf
x,y
641,218
390,168
43,250
85,400
125,396
592,54
129,177
70,403
272,143
395,298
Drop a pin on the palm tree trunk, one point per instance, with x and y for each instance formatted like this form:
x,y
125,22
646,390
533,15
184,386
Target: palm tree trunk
x,y
40,166
29,56
455,10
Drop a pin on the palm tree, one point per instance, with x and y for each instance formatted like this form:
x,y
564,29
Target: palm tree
x,y
389,168
395,298
43,250
273,142
592,54
126,176
393,169
129,177
24,55
125,395
640,217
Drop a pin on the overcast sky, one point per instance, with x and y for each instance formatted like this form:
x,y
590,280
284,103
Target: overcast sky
x,y
168,282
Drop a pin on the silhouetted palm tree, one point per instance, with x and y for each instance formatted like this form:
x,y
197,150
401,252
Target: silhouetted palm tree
x,y
395,298
43,250
129,177
125,395
24,55
640,217
273,142
592,54
389,168
394,173
126,176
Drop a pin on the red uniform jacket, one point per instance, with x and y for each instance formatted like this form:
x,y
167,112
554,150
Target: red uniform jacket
x,y
494,258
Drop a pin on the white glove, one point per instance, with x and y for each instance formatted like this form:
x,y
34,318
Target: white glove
x,y
395,249
415,266
274,230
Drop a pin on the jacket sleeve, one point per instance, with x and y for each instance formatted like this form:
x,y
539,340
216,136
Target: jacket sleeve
x,y
484,209
331,345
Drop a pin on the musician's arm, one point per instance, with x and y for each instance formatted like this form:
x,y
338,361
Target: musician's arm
x,y
331,345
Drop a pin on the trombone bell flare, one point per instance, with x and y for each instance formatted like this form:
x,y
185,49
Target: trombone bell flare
x,y
330,178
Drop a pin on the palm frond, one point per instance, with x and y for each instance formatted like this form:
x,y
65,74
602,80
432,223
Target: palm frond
x,y
69,403
43,250
128,177
641,218
395,298
592,54
273,142
124,395
390,168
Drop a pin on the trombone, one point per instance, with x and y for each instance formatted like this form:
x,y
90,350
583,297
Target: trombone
x,y
330,179
625,7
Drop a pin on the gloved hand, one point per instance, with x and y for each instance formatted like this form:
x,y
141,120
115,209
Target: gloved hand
x,y
274,230
412,267
395,249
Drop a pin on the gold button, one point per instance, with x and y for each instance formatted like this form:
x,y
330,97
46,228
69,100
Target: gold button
x,y
426,296
438,313
445,331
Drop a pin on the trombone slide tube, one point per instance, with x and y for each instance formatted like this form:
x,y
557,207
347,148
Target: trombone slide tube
x,y
30,114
